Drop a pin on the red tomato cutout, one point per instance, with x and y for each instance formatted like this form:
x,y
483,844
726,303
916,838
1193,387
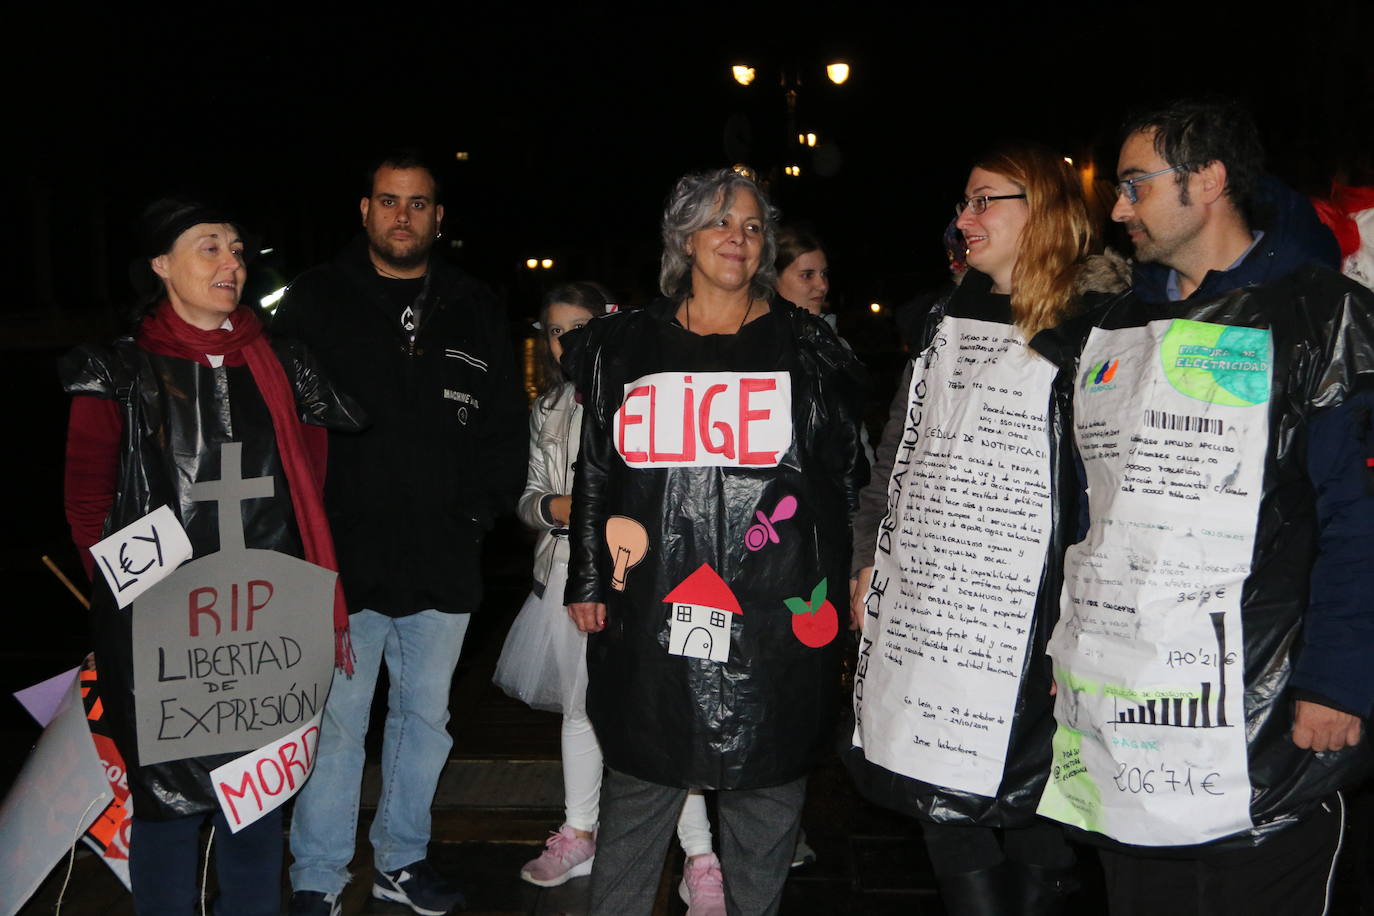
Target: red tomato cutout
x,y
816,628
814,622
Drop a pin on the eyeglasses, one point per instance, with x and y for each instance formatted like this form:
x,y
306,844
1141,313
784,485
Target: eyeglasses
x,y
979,204
1126,187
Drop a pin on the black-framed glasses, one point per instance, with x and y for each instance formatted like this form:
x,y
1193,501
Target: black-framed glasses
x,y
979,204
1126,186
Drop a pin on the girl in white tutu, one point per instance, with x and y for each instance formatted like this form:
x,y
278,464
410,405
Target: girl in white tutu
x,y
543,662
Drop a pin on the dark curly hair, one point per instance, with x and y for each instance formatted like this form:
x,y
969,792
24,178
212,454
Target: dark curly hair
x,y
1192,133
402,159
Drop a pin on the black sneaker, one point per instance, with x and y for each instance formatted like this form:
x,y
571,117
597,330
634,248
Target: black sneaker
x,y
419,887
314,903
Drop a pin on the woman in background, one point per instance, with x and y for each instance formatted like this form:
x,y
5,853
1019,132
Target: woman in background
x,y
802,269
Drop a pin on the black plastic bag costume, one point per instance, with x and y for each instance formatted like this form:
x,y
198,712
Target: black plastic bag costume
x,y
1027,757
762,716
175,414
1297,642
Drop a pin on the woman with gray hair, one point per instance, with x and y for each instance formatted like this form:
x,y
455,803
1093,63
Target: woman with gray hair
x,y
719,463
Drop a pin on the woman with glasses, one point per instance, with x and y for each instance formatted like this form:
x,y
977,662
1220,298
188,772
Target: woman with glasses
x,y
958,548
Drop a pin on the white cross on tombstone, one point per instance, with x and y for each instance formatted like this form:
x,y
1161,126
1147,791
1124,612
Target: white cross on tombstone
x,y
230,490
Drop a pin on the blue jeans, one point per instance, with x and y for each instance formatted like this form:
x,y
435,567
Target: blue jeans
x,y
421,652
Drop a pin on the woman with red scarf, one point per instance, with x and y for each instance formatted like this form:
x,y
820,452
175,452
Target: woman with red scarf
x,y
148,418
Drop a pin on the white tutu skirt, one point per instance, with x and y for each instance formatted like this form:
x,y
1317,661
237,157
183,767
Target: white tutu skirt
x,y
544,660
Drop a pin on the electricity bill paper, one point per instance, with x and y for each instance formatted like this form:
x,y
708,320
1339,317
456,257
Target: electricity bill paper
x,y
1171,421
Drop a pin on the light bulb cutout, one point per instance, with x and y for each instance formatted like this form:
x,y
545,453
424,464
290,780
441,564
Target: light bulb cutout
x,y
628,542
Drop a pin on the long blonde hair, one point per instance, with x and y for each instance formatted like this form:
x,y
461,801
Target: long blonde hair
x,y
1057,236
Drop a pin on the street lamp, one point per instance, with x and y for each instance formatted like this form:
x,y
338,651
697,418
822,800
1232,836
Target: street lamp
x,y
791,79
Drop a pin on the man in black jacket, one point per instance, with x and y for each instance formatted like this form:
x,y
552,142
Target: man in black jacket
x,y
425,348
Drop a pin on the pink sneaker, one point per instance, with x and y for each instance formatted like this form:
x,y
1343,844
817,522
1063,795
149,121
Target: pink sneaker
x,y
702,888
566,855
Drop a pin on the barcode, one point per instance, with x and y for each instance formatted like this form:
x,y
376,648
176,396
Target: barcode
x,y
1177,422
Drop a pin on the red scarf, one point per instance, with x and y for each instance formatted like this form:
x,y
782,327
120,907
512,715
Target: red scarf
x,y
165,332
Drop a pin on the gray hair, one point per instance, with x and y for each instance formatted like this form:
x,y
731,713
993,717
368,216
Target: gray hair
x,y
697,201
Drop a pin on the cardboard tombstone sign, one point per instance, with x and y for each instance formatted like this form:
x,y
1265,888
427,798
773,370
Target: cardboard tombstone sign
x,y
235,650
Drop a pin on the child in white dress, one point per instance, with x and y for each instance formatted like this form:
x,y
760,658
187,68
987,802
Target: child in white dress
x,y
543,662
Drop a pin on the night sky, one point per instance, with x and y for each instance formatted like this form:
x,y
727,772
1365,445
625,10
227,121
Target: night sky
x,y
577,123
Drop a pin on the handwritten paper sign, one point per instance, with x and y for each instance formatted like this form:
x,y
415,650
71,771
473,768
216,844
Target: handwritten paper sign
x,y
60,791
141,554
108,834
958,561
1172,424
705,419
43,699
256,783
234,649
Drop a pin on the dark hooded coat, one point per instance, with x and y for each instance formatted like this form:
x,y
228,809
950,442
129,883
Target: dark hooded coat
x,y
410,499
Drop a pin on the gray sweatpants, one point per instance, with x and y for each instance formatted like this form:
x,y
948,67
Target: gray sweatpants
x,y
758,833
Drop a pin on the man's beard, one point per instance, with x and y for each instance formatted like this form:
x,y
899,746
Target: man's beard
x,y
403,257
1146,248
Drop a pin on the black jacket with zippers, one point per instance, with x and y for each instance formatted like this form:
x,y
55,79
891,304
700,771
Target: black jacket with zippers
x,y
410,498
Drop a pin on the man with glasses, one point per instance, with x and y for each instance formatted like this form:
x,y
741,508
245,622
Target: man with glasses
x,y
1213,657
1202,216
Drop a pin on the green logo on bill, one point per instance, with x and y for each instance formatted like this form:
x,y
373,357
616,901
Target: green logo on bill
x,y
1218,364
